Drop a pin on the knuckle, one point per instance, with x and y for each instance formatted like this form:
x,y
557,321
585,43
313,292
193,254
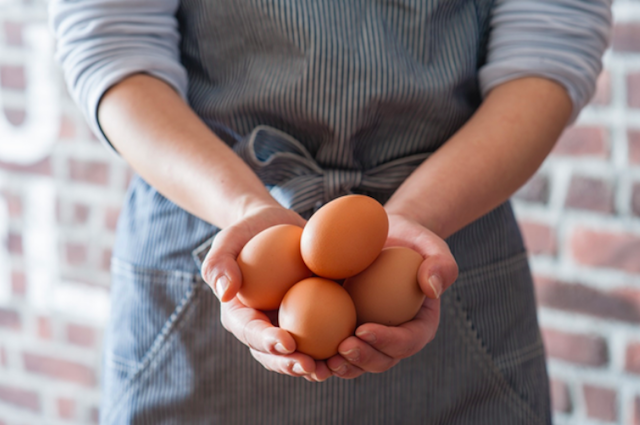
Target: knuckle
x,y
247,333
260,359
386,365
224,320
407,350
207,270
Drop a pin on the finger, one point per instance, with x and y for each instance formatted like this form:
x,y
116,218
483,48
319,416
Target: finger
x,y
364,356
254,329
322,372
220,268
405,340
296,364
436,273
342,368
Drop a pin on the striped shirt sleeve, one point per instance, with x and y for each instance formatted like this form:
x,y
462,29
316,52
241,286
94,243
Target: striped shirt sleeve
x,y
104,41
562,40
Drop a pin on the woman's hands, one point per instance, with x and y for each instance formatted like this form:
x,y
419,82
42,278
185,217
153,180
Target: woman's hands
x,y
273,347
377,348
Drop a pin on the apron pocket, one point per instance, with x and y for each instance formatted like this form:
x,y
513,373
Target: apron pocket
x,y
147,307
498,303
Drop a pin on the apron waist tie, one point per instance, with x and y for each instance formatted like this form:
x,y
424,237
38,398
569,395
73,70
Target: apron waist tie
x,y
298,183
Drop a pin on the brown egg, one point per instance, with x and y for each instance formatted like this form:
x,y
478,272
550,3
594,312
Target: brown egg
x,y
271,264
344,236
319,314
387,292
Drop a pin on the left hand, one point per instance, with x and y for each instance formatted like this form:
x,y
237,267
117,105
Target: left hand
x,y
377,348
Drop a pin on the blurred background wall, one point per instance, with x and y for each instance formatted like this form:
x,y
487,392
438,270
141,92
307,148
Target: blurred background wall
x,y
60,193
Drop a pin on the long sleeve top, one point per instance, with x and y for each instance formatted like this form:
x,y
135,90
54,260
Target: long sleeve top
x,y
102,42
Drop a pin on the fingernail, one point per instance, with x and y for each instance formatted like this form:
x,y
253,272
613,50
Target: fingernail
x,y
351,355
341,370
222,283
436,284
297,368
281,349
366,336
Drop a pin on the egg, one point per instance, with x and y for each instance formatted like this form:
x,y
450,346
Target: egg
x,y
270,264
344,236
319,315
387,292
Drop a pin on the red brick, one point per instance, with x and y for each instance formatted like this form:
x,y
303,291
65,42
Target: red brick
x,y
560,397
89,171
42,167
67,128
80,213
600,403
633,90
111,218
625,37
66,408
635,199
44,328
632,358
590,194
59,369
16,117
76,253
12,77
106,260
603,89
538,238
18,283
10,319
606,249
587,350
634,146
583,141
14,244
94,415
536,190
577,298
19,397
14,203
81,335
13,33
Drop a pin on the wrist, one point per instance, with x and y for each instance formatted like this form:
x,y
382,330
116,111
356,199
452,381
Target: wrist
x,y
417,213
250,205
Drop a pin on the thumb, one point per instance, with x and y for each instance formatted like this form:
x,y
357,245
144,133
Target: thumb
x,y
220,268
436,274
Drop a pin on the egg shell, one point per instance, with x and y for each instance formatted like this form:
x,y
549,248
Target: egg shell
x,y
344,236
319,315
271,263
387,292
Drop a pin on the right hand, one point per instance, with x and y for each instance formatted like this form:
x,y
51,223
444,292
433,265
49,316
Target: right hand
x,y
273,347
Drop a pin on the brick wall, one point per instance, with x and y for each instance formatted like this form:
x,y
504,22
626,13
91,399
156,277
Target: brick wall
x,y
60,193
580,216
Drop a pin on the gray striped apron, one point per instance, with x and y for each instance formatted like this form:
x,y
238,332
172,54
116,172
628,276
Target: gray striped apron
x,y
323,98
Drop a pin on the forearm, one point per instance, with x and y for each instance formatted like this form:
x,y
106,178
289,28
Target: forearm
x,y
488,159
159,135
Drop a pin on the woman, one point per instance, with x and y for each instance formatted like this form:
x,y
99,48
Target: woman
x,y
461,99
